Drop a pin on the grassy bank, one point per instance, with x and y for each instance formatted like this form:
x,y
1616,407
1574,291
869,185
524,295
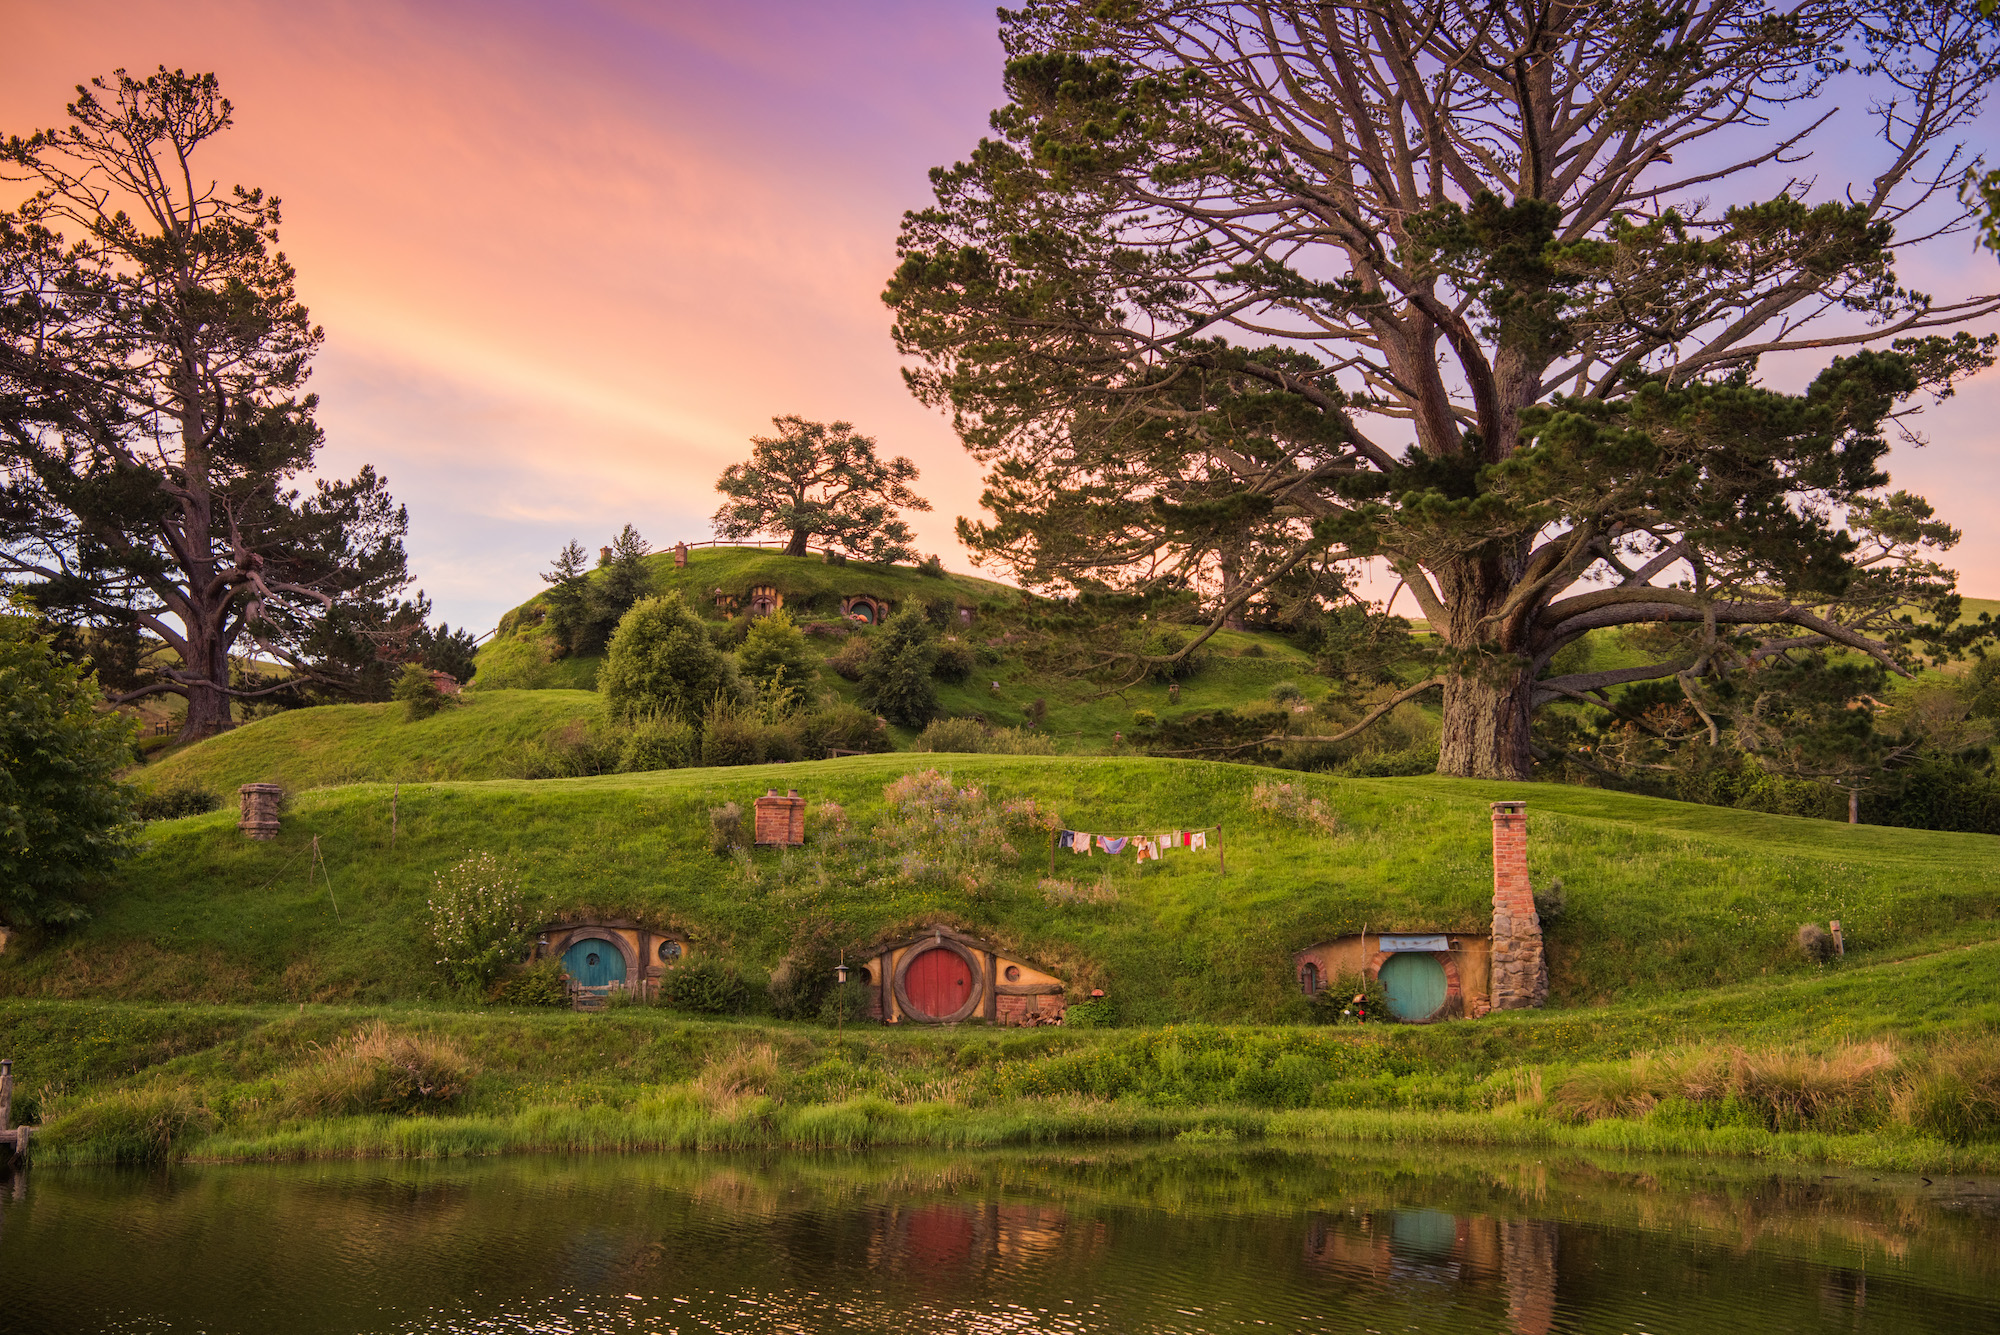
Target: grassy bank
x,y
1660,897
343,744
1893,1066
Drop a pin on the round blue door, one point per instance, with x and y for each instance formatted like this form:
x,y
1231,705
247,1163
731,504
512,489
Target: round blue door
x,y
1415,983
594,962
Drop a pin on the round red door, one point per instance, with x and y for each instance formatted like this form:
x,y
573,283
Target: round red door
x,y
938,982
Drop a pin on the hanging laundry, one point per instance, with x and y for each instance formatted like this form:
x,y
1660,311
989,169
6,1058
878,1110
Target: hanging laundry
x,y
1148,850
1063,838
1079,842
1185,839
1198,839
1113,846
1164,842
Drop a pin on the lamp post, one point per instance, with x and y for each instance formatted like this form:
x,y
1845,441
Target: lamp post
x,y
840,998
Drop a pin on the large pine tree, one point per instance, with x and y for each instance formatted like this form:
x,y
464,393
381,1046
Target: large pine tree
x,y
155,433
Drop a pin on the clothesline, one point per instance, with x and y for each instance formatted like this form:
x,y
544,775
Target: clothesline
x,y
1147,847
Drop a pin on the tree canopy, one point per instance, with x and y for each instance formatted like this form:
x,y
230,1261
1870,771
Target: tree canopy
x,y
64,817
155,434
818,480
1240,291
662,661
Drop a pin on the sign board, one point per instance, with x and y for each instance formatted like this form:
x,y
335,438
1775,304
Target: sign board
x,y
1437,943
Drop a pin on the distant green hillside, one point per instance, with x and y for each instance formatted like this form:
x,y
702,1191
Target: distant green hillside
x,y
1661,896
336,744
518,654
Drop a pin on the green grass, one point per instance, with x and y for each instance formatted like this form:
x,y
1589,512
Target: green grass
x,y
481,738
106,1075
1662,896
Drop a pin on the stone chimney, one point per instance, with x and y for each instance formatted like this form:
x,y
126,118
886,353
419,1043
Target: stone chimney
x,y
261,802
1520,972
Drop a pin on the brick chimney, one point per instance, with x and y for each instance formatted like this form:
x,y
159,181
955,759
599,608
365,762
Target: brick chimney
x,y
1520,972
780,820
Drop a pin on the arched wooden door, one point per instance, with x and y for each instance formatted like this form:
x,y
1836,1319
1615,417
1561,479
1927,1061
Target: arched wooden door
x,y
938,983
1415,983
594,962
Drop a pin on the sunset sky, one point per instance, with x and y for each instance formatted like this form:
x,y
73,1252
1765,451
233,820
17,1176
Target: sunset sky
x,y
570,257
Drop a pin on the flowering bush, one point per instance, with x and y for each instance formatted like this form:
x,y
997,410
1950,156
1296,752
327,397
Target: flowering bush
x,y
955,837
1291,802
479,923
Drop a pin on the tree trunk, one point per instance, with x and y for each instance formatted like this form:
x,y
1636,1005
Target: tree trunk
x,y
1486,702
208,713
797,546
1486,723
208,699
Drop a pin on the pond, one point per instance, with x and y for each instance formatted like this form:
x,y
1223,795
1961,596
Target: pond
x,y
1175,1238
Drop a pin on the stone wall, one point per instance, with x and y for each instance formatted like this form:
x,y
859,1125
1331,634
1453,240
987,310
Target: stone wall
x,y
1520,971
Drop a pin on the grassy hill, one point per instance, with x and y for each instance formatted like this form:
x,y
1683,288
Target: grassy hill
x,y
518,655
1661,896
338,744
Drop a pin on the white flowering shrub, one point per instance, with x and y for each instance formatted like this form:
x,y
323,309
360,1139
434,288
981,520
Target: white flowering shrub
x,y
479,923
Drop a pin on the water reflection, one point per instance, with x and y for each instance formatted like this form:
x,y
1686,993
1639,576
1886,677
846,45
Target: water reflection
x,y
1155,1239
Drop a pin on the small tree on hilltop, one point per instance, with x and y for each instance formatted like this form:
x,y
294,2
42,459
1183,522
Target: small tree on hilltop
x,y
897,678
64,817
624,582
568,597
661,661
820,480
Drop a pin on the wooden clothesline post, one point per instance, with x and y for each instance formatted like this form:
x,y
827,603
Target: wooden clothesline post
x,y
1221,856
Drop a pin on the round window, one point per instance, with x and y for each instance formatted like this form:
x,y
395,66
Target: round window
x,y
1013,973
591,959
670,950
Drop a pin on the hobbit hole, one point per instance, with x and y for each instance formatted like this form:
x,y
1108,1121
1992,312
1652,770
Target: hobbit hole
x,y
946,977
1437,975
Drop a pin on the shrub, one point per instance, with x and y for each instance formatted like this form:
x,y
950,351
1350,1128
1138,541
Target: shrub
x,y
186,798
662,661
775,655
1335,1002
576,751
931,567
729,736
419,692
659,741
1145,718
1057,891
478,922
377,1070
842,727
952,734
851,659
1291,802
1955,1093
1019,742
1286,693
136,1126
896,682
955,837
1091,1013
67,819
705,986
1813,942
542,983
1163,645
955,660
725,829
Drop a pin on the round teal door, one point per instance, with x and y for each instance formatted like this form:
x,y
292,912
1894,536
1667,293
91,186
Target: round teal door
x,y
1415,983
594,962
